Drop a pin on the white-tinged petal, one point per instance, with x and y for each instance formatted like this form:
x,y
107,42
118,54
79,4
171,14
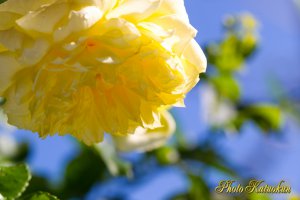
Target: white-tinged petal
x,y
215,111
45,19
181,33
194,55
146,139
107,5
171,7
79,21
154,31
118,32
8,145
34,52
104,5
134,10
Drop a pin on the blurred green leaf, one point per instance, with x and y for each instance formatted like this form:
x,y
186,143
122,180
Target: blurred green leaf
x,y
82,173
244,27
248,45
180,197
267,117
2,1
256,196
225,55
226,86
13,180
238,45
230,54
39,196
207,156
198,189
38,184
230,22
167,155
294,197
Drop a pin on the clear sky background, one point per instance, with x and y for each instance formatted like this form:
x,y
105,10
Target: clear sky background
x,y
266,157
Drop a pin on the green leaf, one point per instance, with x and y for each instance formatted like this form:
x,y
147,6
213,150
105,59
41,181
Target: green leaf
x,y
38,183
239,43
198,189
13,180
256,196
2,1
225,55
180,197
208,156
226,86
39,196
294,198
248,45
82,173
167,155
267,117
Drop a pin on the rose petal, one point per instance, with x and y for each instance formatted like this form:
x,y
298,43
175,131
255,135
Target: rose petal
x,y
134,10
181,33
11,39
33,52
7,20
194,55
23,6
169,7
9,66
79,21
147,139
45,19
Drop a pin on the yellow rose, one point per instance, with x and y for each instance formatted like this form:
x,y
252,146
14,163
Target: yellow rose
x,y
85,67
